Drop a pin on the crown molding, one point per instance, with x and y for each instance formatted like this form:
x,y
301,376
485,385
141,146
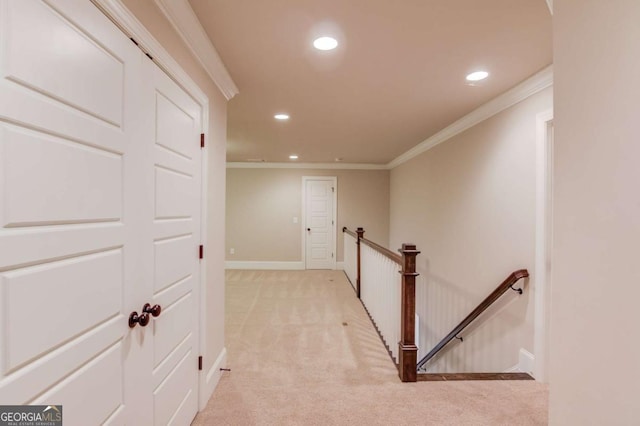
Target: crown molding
x,y
133,28
186,23
529,87
522,91
330,166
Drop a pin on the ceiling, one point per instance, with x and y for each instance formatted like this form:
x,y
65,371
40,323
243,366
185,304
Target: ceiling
x,y
396,78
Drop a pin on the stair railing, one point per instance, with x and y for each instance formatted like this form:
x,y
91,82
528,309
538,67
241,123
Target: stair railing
x,y
389,299
507,284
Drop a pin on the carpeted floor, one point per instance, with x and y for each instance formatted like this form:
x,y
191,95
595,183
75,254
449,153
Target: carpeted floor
x,y
303,352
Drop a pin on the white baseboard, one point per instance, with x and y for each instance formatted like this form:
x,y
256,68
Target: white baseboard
x,y
526,361
278,266
340,266
212,378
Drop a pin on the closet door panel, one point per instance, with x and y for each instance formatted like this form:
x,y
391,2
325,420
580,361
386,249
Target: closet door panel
x,y
70,240
176,157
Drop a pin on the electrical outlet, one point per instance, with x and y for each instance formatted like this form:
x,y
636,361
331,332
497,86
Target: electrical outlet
x,y
295,219
232,251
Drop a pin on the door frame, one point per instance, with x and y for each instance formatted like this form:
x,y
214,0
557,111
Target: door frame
x,y
543,238
303,234
124,19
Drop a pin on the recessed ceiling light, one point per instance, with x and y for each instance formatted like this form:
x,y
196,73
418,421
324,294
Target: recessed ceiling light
x,y
477,76
325,43
281,116
293,157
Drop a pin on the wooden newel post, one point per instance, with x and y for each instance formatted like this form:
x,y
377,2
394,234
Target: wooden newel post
x,y
408,351
360,233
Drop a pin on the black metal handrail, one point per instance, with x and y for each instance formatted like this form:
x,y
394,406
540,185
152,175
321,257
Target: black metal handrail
x,y
495,295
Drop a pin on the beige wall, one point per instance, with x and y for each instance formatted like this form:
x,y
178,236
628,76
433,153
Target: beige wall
x,y
595,345
151,17
469,205
261,204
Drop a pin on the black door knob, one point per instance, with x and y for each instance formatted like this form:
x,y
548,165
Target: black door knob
x,y
154,310
142,319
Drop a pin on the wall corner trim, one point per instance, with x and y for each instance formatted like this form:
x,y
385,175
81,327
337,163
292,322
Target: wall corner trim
x,y
522,91
186,23
210,381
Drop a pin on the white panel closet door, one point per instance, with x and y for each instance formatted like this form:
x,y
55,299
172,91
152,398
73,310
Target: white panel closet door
x,y
174,245
69,208
100,174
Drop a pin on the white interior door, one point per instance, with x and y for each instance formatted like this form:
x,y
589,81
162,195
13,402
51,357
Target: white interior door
x,y
175,227
320,230
100,177
68,263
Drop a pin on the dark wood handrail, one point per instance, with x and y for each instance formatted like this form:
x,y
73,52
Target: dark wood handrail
x,y
386,252
347,231
377,247
495,295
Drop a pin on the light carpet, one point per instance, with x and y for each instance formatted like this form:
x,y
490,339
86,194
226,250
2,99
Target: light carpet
x,y
303,352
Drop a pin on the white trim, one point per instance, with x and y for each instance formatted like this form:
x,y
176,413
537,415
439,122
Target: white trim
x,y
186,23
212,379
133,28
529,87
544,206
514,369
303,240
204,175
340,266
322,166
525,364
526,361
267,266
